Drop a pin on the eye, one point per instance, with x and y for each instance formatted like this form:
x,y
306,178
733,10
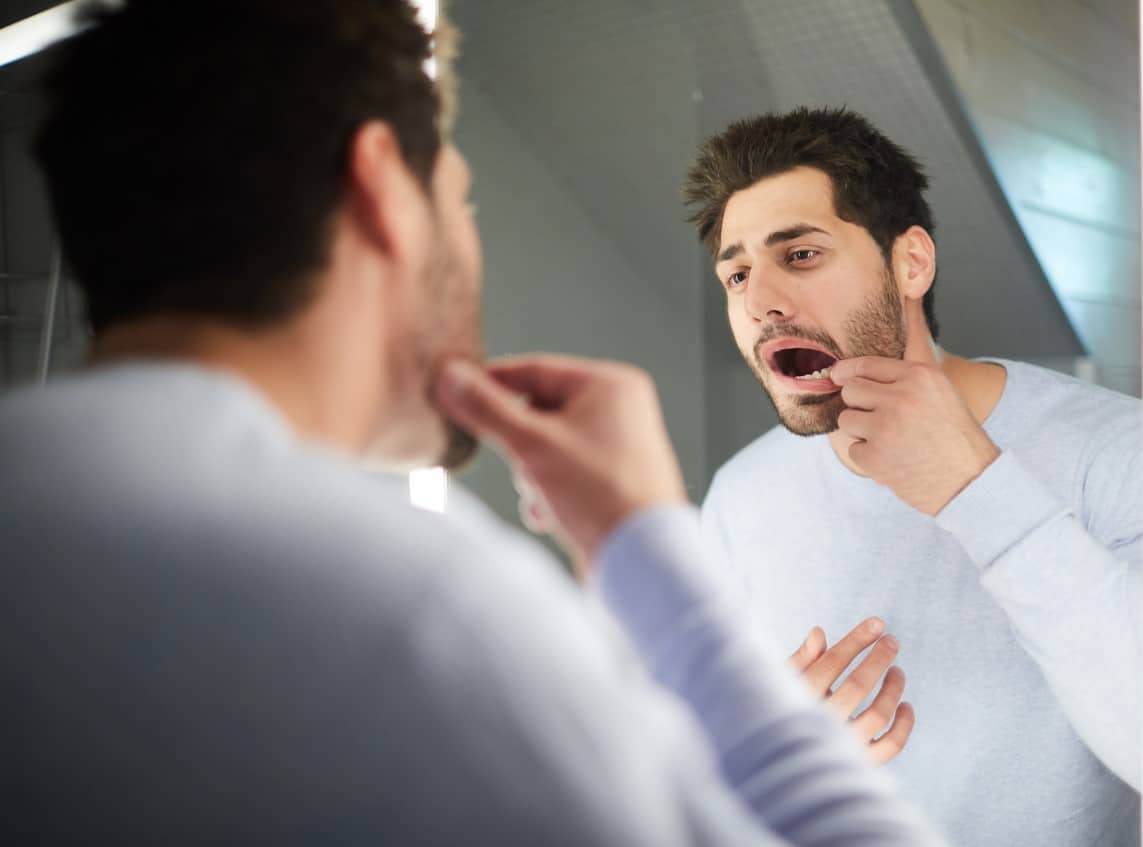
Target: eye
x,y
802,255
736,279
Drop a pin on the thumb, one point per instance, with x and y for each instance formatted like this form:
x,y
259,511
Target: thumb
x,y
810,651
476,401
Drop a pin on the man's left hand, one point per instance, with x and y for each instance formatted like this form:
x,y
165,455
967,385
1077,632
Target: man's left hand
x,y
914,433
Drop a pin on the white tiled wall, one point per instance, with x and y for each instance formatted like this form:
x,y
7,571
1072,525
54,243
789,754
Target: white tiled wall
x,y
1052,87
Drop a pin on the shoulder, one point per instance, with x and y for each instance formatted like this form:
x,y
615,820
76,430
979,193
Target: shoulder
x,y
1065,406
1056,419
175,466
1085,438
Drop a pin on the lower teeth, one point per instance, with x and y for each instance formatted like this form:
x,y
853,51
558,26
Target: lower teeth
x,y
822,374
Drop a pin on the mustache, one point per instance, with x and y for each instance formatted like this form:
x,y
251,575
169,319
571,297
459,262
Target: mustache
x,y
771,332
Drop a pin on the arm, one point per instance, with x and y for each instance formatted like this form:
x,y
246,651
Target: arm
x,y
1073,601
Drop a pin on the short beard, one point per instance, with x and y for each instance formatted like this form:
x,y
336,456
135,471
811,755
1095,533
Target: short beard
x,y
877,328
465,341
460,447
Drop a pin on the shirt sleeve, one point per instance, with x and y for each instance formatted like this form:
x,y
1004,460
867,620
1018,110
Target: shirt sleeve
x,y
1073,600
785,757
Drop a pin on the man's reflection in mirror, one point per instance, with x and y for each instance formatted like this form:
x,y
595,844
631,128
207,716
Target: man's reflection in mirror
x,y
977,521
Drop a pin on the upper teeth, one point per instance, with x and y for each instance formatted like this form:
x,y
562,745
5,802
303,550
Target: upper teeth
x,y
822,374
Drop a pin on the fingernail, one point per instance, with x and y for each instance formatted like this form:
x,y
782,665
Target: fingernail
x,y
876,626
456,377
890,642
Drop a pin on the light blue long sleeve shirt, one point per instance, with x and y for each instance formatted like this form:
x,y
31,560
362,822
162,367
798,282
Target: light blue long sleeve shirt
x,y
1017,609
213,632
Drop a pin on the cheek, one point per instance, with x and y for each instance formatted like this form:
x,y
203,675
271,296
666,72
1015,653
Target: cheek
x,y
739,322
828,305
475,258
469,258
742,327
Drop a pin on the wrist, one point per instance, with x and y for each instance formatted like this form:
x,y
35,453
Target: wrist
x,y
622,512
985,454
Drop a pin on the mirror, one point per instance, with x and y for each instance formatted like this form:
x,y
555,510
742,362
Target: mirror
x,y
579,121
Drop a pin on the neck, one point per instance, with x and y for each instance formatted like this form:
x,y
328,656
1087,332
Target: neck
x,y
282,363
979,385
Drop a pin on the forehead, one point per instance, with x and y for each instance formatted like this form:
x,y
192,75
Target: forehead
x,y
800,195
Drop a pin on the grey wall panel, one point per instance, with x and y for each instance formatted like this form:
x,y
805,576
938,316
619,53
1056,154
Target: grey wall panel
x,y
555,279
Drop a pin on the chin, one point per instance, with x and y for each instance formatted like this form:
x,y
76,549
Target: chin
x,y
811,414
439,443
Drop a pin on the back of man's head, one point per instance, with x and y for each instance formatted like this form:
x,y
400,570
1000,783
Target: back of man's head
x,y
195,150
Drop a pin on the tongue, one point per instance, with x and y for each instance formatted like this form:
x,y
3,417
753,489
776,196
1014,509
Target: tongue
x,y
807,361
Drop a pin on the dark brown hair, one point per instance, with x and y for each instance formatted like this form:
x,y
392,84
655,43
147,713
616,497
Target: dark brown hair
x,y
195,150
876,184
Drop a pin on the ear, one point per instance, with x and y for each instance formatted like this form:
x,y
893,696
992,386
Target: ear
x,y
383,194
914,262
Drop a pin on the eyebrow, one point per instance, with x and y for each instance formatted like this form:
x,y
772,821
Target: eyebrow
x,y
776,237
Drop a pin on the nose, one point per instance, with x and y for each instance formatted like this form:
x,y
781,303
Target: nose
x,y
767,299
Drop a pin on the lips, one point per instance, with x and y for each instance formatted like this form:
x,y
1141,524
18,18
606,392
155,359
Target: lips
x,y
800,364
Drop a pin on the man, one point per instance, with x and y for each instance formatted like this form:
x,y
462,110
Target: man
x,y
988,512
217,627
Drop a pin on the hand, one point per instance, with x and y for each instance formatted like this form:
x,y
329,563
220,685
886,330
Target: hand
x,y
821,668
588,443
913,433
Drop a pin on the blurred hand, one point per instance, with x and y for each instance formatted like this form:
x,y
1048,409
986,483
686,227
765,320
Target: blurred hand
x,y
822,667
586,440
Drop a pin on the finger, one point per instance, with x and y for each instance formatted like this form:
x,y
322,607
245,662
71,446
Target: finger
x,y
873,721
810,651
823,673
863,680
523,483
893,742
857,423
534,511
862,393
534,516
485,407
875,368
548,379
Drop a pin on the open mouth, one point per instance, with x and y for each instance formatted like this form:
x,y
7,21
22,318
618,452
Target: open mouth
x,y
803,363
800,362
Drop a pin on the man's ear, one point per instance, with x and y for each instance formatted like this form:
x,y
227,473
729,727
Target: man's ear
x,y
382,192
914,262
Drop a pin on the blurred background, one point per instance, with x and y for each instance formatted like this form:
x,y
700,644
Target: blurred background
x,y
579,120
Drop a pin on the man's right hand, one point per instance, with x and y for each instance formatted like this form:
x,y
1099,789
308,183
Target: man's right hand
x,y
586,438
822,668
